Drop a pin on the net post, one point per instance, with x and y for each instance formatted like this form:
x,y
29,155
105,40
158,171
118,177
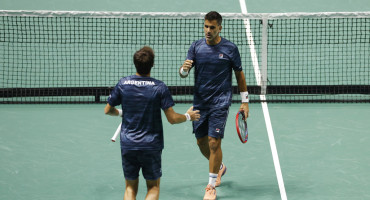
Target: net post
x,y
264,39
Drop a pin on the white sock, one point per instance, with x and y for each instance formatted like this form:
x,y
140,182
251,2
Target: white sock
x,y
212,179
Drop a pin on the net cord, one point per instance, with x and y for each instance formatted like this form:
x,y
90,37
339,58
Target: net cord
x,y
165,15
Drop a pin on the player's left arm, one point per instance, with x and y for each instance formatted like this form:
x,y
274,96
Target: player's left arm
x,y
242,85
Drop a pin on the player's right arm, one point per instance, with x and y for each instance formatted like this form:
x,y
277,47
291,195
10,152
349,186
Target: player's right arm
x,y
185,68
113,100
175,118
111,110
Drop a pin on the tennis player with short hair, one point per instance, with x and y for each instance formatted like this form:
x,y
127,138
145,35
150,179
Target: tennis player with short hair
x,y
142,99
213,59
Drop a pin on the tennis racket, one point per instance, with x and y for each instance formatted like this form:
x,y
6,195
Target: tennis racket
x,y
116,133
241,126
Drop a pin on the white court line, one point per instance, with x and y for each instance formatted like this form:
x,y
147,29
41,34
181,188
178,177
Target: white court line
x,y
266,114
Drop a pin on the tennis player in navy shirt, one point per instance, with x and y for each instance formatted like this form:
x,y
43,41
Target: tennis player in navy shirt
x,y
142,99
214,58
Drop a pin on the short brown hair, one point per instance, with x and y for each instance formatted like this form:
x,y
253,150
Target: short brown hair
x,y
144,60
213,15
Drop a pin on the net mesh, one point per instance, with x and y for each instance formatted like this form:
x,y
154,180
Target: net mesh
x,y
78,59
323,57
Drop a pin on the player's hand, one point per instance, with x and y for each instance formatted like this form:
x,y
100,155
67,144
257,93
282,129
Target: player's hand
x,y
187,65
245,107
194,114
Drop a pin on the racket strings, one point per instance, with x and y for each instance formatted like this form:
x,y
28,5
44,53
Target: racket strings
x,y
242,127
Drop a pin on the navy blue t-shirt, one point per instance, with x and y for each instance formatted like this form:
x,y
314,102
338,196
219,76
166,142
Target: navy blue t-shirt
x,y
213,72
142,99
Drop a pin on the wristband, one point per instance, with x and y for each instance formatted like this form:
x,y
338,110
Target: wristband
x,y
182,72
187,116
244,96
119,112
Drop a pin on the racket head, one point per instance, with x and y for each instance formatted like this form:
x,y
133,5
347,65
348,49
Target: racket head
x,y
241,126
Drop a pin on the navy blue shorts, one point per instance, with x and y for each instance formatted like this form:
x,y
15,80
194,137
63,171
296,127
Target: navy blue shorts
x,y
212,122
150,161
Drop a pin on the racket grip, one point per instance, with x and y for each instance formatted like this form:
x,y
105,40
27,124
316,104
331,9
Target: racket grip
x,y
116,133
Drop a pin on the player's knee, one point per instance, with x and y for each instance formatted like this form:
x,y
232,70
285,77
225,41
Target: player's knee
x,y
153,191
214,144
131,191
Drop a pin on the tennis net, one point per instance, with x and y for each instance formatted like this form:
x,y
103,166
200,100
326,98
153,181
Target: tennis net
x,y
77,57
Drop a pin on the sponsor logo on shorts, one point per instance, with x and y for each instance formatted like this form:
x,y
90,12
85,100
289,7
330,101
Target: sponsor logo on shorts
x,y
217,130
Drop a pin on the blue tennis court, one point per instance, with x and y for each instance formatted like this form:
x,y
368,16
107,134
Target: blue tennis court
x,y
63,151
47,154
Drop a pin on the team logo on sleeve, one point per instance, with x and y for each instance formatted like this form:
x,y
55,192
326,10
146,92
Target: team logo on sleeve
x,y
220,55
217,130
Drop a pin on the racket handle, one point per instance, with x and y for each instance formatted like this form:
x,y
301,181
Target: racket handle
x,y
116,133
